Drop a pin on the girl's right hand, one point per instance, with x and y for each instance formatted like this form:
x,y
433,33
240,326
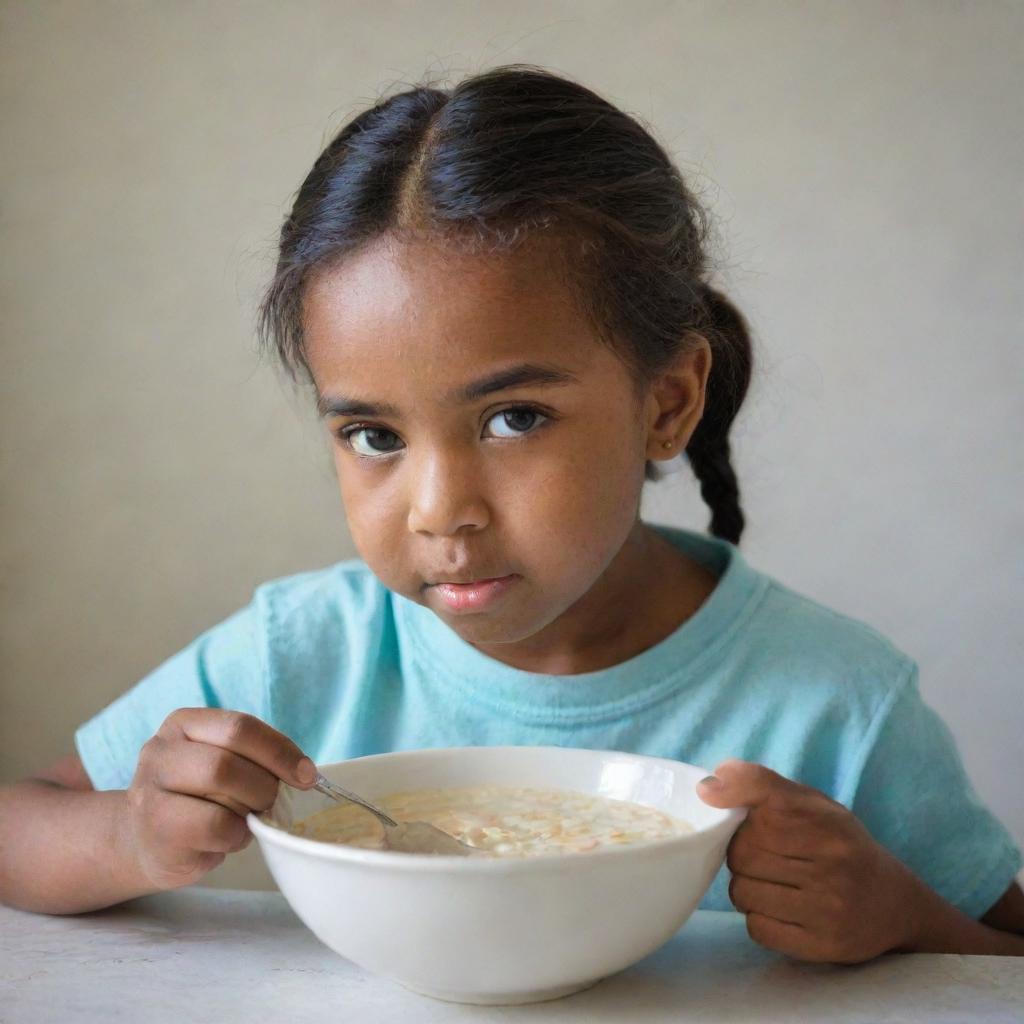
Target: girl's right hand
x,y
196,779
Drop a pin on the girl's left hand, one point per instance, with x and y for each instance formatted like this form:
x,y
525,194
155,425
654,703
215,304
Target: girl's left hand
x,y
808,875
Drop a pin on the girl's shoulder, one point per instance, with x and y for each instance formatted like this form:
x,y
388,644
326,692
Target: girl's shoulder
x,y
813,648
824,632
771,632
322,591
302,617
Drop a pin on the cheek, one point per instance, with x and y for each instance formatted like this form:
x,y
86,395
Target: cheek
x,y
573,511
372,517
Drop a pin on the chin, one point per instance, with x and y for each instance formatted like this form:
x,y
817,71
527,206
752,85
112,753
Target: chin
x,y
492,629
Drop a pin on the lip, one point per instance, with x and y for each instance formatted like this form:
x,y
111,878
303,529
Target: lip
x,y
476,595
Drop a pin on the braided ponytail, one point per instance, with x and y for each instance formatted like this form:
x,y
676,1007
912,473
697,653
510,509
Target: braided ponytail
x,y
708,450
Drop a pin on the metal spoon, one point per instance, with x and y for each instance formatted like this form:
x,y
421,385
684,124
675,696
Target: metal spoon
x,y
406,836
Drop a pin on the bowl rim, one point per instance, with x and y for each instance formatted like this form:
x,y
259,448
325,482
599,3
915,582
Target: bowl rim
x,y
394,859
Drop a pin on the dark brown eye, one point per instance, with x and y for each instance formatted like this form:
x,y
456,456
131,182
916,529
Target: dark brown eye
x,y
371,441
515,422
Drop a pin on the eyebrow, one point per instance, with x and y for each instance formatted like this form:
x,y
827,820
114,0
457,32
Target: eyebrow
x,y
513,377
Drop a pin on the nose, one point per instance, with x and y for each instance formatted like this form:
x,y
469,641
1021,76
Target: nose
x,y
445,494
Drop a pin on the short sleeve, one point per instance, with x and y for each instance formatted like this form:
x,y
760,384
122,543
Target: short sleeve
x,y
221,668
916,800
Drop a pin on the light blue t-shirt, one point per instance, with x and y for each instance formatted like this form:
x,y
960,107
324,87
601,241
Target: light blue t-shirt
x,y
346,667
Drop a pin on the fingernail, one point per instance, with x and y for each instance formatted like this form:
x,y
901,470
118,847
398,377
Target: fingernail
x,y
306,771
711,781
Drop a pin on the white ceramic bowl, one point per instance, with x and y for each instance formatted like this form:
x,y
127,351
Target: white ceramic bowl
x,y
496,930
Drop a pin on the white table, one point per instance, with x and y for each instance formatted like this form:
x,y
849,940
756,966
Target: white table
x,y
203,955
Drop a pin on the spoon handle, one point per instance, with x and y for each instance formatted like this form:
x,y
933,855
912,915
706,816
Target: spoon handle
x,y
330,789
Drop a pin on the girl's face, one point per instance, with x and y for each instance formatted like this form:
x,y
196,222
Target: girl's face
x,y
481,431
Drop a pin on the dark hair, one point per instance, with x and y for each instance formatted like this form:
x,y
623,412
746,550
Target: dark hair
x,y
505,156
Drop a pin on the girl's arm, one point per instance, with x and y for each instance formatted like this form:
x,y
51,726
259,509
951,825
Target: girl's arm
x,y
944,929
1008,914
65,848
814,884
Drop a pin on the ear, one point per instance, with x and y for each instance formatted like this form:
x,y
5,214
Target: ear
x,y
675,400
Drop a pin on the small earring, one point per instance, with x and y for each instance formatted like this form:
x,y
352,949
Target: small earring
x,y
667,444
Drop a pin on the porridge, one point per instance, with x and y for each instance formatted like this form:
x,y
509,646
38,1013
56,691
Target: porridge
x,y
501,820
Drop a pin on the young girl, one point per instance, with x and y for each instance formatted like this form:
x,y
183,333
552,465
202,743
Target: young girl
x,y
499,297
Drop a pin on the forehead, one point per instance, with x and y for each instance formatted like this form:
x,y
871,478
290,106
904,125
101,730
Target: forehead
x,y
433,309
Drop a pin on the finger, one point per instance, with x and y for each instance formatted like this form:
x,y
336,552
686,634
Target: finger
x,y
782,936
246,735
782,902
805,827
216,774
745,784
191,823
778,835
745,857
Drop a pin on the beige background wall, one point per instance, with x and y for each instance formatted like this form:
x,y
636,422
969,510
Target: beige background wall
x,y
864,164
